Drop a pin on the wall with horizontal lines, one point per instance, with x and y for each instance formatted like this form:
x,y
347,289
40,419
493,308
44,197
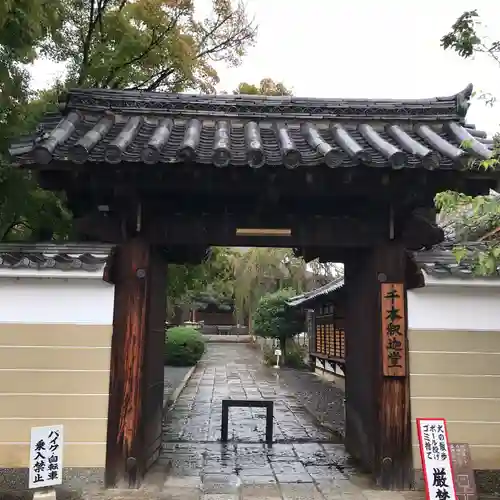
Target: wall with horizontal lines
x,y
55,340
454,343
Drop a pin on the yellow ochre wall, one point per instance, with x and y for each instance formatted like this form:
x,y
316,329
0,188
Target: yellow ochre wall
x,y
454,343
54,366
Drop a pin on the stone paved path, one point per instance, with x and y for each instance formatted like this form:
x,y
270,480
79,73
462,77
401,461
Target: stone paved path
x,y
305,462
172,377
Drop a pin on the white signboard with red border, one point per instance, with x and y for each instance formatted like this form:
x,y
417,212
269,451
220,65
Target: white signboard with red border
x,y
436,459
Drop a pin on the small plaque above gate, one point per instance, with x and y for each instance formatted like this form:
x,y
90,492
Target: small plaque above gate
x,y
393,313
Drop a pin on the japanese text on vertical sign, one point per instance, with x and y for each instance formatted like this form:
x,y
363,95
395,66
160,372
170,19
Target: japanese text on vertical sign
x,y
46,456
393,329
436,459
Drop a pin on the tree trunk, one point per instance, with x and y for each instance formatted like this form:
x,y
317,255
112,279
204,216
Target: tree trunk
x,y
283,349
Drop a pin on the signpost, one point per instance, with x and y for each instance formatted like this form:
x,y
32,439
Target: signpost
x,y
463,471
277,353
436,459
46,457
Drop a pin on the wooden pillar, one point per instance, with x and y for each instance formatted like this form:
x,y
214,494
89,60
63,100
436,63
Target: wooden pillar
x,y
378,430
134,415
154,355
394,451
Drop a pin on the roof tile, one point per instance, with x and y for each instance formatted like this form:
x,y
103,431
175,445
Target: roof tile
x,y
125,126
75,257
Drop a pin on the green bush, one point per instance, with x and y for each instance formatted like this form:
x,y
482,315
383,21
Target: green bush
x,y
295,355
184,346
274,318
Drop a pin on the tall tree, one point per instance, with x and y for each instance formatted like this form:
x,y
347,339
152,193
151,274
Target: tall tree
x,y
263,270
26,210
213,277
24,24
150,44
142,44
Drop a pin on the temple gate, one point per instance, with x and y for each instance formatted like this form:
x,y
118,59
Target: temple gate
x,y
165,176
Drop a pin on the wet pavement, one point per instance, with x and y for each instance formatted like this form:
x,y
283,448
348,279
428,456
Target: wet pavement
x,y
172,378
322,397
304,462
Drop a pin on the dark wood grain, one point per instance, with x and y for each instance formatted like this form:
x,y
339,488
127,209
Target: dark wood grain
x,y
130,274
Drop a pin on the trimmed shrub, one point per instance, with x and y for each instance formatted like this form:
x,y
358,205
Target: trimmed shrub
x,y
274,318
184,346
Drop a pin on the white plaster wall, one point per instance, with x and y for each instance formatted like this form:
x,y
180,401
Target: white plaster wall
x,y
55,346
454,363
454,307
41,300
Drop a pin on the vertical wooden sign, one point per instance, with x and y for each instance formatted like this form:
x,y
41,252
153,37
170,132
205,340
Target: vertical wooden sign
x,y
393,313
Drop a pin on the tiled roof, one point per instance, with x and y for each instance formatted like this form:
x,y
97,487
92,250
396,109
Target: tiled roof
x,y
440,262
74,257
127,126
318,292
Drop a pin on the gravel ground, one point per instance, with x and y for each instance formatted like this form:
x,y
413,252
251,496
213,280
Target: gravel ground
x,y
173,376
322,397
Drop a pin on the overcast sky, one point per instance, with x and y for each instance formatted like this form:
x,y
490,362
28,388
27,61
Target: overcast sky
x,y
360,48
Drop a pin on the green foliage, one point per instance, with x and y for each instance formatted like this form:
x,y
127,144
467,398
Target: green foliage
x,y
259,271
184,346
273,317
295,355
27,212
490,163
473,219
267,86
24,23
232,278
463,37
469,220
467,38
143,44
213,277
149,44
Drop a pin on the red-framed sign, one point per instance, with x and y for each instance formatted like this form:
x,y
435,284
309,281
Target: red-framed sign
x,y
436,459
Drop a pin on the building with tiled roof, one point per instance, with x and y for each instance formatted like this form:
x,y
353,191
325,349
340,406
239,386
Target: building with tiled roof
x,y
129,127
